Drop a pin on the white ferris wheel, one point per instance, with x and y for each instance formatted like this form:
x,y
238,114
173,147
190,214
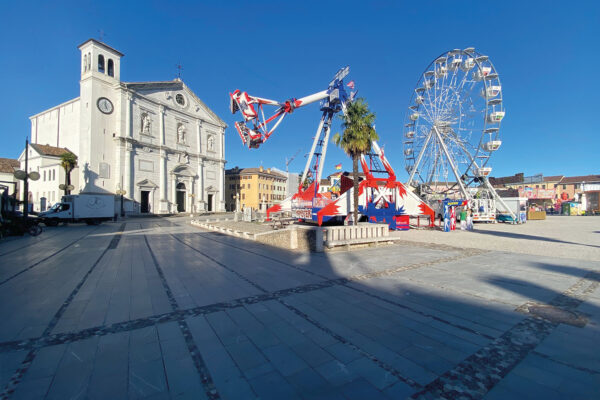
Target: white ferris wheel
x,y
452,126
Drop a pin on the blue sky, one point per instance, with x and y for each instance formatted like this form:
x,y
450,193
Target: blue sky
x,y
547,54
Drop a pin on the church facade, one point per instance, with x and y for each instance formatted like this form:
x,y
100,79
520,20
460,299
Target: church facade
x,y
155,141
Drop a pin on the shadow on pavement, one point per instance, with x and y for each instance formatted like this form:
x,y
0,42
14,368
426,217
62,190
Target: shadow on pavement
x,y
530,237
219,314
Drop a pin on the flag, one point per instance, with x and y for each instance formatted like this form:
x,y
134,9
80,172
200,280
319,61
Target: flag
x,y
351,85
338,166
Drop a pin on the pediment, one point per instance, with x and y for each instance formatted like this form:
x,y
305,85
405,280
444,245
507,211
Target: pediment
x,y
166,93
183,170
147,183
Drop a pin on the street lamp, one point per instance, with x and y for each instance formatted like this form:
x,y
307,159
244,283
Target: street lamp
x,y
121,193
24,176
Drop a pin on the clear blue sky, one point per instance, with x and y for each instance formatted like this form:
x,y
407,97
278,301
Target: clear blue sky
x,y
547,54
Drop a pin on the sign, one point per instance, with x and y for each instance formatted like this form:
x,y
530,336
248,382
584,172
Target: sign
x,y
537,193
589,187
302,213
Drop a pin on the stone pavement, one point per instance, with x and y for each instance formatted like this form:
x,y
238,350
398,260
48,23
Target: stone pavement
x,y
153,308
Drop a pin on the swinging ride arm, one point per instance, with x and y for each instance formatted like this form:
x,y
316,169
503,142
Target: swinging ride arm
x,y
255,128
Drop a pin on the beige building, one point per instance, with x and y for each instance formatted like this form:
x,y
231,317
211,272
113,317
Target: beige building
x,y
256,188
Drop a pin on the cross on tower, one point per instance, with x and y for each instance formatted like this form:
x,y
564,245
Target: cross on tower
x,y
101,34
179,69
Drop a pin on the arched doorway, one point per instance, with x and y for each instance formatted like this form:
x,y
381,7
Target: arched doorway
x,y
181,197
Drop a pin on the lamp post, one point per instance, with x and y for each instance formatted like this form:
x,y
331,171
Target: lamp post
x,y
25,176
121,193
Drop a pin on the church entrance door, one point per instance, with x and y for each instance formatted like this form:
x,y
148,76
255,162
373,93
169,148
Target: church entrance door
x,y
145,203
180,197
209,201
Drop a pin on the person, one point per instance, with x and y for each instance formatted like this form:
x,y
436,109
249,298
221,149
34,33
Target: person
x,y
463,219
469,219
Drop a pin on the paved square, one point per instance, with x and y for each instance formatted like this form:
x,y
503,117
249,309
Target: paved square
x,y
155,308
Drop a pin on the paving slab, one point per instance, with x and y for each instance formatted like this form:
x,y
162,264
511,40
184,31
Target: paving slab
x,y
156,308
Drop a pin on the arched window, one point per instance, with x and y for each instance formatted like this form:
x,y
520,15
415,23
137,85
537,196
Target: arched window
x,y
101,63
89,63
111,67
84,62
181,186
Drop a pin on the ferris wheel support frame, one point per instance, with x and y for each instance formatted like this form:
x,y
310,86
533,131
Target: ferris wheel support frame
x,y
497,197
458,178
419,157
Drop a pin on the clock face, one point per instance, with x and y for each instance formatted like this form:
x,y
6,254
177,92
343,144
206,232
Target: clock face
x,y
105,105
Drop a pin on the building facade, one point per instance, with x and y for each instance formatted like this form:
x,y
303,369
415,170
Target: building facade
x,y
291,183
255,188
8,182
45,160
157,141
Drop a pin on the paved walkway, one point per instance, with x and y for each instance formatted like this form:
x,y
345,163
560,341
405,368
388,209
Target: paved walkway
x,y
556,236
156,309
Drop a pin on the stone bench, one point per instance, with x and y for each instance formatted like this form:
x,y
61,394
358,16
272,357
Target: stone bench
x,y
362,233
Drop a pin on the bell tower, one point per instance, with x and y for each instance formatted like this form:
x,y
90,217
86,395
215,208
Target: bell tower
x,y
100,113
100,60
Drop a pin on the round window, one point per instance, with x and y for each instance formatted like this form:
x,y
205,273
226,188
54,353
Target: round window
x,y
180,99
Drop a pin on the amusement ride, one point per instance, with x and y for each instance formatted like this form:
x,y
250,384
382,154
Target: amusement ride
x,y
381,199
452,129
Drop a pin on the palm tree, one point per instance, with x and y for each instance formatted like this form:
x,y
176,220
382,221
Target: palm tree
x,y
68,161
357,137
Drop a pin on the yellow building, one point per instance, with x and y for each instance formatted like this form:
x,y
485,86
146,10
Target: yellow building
x,y
256,188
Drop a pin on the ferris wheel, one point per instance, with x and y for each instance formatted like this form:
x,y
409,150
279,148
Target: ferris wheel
x,y
452,126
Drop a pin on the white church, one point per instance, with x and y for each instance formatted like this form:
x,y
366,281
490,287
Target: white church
x,y
157,141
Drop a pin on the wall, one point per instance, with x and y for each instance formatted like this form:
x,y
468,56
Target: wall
x,y
58,126
282,238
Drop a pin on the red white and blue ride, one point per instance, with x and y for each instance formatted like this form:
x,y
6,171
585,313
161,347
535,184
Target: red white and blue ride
x,y
381,199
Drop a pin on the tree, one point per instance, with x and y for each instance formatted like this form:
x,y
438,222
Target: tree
x,y
68,161
356,139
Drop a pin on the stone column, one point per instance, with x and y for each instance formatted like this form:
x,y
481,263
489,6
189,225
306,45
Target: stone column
x,y
174,192
127,170
221,187
199,136
161,124
164,200
163,183
192,202
119,164
222,167
128,122
201,198
223,144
